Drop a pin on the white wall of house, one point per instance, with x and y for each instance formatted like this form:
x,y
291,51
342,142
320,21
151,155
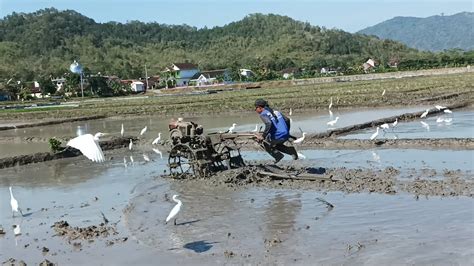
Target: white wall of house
x,y
137,86
185,76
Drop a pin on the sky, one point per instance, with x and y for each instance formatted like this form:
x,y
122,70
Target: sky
x,y
348,15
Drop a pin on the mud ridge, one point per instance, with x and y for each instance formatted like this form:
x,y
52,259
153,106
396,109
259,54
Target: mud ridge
x,y
53,122
68,152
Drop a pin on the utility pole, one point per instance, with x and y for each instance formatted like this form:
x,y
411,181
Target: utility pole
x,y
146,78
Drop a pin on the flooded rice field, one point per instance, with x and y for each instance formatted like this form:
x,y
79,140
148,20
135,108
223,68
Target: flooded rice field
x,y
120,205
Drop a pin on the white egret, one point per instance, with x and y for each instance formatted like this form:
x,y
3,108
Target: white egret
x,y
375,156
143,130
14,204
175,210
158,152
131,159
157,140
439,107
395,123
291,112
300,139
330,104
448,111
333,122
89,146
122,131
146,158
425,113
256,128
301,156
383,93
130,145
384,126
232,127
375,134
425,125
16,229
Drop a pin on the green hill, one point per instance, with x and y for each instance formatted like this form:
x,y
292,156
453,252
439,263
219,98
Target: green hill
x,y
47,41
435,33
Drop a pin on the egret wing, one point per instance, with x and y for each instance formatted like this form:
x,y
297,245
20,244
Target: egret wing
x,y
89,148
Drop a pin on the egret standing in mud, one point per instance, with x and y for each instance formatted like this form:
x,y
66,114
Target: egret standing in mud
x,y
175,210
232,127
425,113
291,112
122,131
130,145
333,122
395,123
143,130
383,93
330,104
89,146
14,204
256,128
375,134
157,140
439,107
158,152
299,140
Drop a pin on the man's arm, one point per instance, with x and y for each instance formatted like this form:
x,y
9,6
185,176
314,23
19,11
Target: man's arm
x,y
268,125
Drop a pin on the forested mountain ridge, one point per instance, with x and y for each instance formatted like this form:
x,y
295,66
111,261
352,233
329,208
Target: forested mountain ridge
x,y
435,33
47,41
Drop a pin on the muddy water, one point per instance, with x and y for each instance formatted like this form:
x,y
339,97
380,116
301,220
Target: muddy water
x,y
229,225
30,140
287,227
459,124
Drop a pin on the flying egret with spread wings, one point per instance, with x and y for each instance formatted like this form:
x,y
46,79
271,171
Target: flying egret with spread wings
x,y
89,146
175,209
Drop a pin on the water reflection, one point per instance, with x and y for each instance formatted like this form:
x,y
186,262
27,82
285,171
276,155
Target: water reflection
x,y
280,216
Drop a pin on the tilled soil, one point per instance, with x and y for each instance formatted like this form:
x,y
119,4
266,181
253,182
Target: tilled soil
x,y
385,181
62,228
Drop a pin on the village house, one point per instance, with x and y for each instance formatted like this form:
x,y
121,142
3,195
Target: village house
x,y
5,96
211,77
368,65
59,82
182,73
245,73
290,72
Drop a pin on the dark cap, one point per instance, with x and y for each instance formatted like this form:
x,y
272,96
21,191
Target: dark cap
x,y
261,103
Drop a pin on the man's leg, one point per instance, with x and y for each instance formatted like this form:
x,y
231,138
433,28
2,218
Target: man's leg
x,y
272,151
290,150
